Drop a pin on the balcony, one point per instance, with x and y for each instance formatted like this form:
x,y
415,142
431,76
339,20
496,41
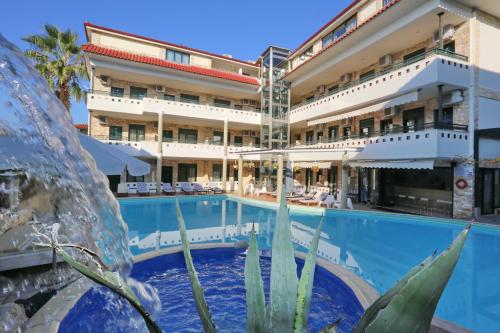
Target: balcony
x,y
106,101
435,67
430,141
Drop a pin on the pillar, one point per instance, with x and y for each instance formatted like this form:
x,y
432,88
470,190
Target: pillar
x,y
224,158
441,42
159,151
279,178
240,175
440,104
345,180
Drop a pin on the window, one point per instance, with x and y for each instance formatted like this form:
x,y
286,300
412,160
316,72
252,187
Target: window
x,y
347,131
366,126
134,179
309,137
257,142
187,172
306,54
179,57
447,117
185,98
238,107
386,2
115,133
319,135
333,89
117,91
138,92
450,47
298,137
136,132
238,141
340,31
333,133
218,138
414,56
413,120
217,172
310,99
168,97
167,136
188,135
367,76
222,103
257,174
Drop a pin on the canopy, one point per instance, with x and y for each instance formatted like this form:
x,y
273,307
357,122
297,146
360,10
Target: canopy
x,y
111,160
309,165
401,164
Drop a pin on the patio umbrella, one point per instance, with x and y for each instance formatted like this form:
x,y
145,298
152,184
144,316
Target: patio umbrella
x,y
111,160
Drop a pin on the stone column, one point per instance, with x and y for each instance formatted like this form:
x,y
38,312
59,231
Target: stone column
x,y
240,175
159,152
345,180
279,178
224,159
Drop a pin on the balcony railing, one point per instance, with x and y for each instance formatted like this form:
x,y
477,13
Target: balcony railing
x,y
394,130
393,67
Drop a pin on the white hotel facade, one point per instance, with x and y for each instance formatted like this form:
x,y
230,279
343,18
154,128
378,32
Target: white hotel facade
x,y
396,103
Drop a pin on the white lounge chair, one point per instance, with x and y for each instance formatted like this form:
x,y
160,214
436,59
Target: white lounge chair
x,y
142,189
250,189
318,197
199,189
215,188
328,202
122,190
263,190
307,196
186,188
167,189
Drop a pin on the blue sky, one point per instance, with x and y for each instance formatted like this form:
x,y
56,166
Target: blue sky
x,y
240,28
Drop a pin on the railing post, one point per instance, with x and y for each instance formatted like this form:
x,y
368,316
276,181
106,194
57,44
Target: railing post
x,y
240,175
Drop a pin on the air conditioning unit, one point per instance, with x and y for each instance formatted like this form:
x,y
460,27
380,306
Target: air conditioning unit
x,y
453,97
321,89
448,33
160,89
346,122
385,60
155,124
105,80
346,78
249,102
103,120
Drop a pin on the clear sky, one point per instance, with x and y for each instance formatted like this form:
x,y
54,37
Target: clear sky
x,y
241,28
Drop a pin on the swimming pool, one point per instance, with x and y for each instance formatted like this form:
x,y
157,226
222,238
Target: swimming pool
x,y
378,247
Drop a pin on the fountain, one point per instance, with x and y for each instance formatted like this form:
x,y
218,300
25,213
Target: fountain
x,y
46,178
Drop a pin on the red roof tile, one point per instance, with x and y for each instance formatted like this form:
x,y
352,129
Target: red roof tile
x,y
91,25
91,48
380,11
82,126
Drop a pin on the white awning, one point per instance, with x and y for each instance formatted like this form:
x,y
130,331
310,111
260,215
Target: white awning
x,y
309,165
406,164
112,161
403,99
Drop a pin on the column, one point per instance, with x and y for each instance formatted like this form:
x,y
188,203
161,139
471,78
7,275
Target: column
x,y
159,151
279,178
441,43
345,178
224,159
240,175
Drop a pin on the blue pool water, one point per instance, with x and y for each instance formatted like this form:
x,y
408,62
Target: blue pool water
x,y
221,274
378,247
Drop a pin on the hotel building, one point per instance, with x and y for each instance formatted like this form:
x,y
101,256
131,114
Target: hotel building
x,y
396,103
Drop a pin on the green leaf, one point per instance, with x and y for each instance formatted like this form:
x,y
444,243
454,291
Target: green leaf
x,y
256,308
306,281
284,281
412,305
114,282
198,292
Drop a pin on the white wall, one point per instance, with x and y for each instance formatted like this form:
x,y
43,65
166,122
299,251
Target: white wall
x,y
489,113
489,56
489,149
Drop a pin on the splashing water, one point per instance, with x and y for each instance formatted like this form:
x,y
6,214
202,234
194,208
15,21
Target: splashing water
x,y
46,177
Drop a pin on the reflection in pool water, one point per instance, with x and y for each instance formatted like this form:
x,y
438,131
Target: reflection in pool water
x,y
378,247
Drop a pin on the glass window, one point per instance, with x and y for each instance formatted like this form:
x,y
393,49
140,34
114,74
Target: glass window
x,y
188,135
115,133
186,98
168,97
327,40
347,131
309,98
217,172
136,132
414,56
351,23
333,132
222,103
366,126
319,135
138,92
179,57
187,172
218,138
117,91
367,76
333,89
134,179
386,2
309,137
238,141
167,136
447,116
450,47
257,142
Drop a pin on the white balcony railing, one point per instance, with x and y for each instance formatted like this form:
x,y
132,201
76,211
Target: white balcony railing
x,y
436,67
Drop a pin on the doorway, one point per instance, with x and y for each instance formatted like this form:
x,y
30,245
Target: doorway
x,y
187,172
490,194
166,174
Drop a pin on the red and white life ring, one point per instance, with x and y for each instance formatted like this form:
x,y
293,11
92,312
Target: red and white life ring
x,y
461,184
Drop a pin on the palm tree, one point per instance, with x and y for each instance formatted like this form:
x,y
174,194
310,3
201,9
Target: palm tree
x,y
58,57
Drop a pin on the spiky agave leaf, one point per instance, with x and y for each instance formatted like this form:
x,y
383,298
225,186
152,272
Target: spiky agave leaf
x,y
411,309
198,292
115,283
256,307
284,280
304,291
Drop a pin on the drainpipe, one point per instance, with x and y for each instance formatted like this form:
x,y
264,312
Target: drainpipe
x,y
441,42
159,151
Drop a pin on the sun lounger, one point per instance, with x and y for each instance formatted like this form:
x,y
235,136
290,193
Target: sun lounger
x,y
263,190
142,189
199,189
167,189
308,196
215,188
122,190
320,196
328,202
186,188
